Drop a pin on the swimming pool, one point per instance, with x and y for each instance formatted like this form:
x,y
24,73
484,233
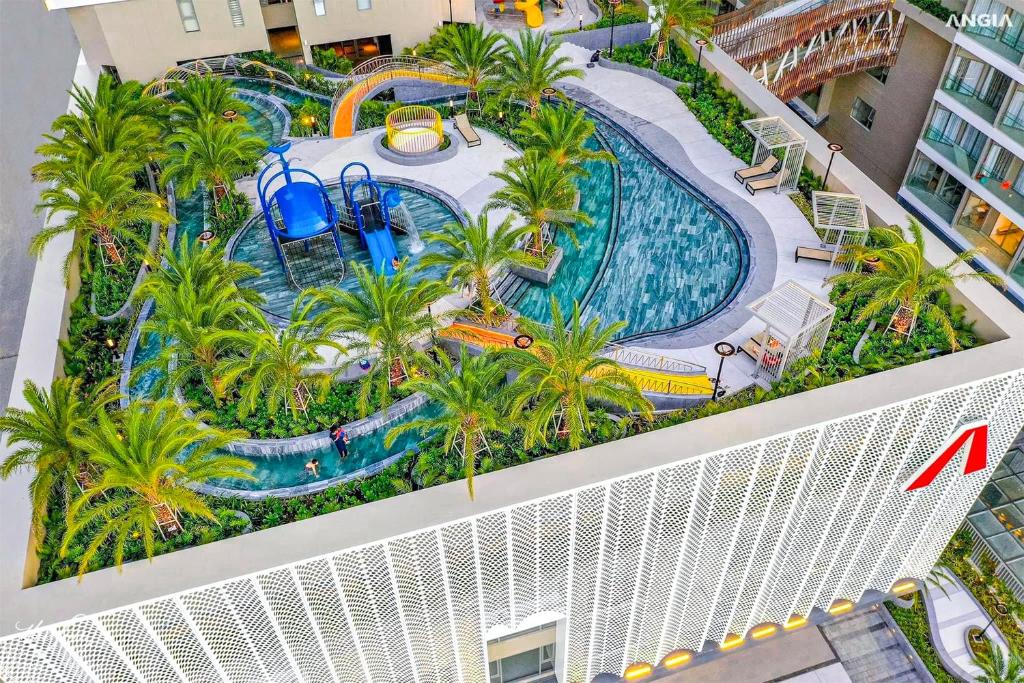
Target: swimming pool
x,y
658,257
269,120
253,246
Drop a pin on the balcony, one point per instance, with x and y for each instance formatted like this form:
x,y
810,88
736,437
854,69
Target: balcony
x,y
985,105
1013,126
1006,42
965,160
927,195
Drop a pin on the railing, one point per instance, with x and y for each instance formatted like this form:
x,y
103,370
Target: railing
x,y
935,135
989,99
652,361
1014,42
1013,122
217,65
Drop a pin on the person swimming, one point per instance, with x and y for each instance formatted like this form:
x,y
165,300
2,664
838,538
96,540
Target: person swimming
x,y
313,467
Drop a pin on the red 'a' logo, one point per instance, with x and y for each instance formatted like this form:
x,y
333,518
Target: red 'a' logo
x,y
976,433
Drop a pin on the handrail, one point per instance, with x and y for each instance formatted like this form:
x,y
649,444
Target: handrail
x,y
213,65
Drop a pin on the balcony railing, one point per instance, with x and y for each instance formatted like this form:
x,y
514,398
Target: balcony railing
x,y
1013,121
1008,37
989,100
965,159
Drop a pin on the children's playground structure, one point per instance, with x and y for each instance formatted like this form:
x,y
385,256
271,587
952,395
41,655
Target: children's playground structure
x,y
533,14
304,224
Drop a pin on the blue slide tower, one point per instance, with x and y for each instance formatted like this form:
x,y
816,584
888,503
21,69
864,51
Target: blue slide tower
x,y
371,209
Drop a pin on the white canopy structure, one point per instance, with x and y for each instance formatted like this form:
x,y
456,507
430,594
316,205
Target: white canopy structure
x,y
797,323
772,135
840,220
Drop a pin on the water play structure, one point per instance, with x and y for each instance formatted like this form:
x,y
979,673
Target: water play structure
x,y
369,207
415,129
298,212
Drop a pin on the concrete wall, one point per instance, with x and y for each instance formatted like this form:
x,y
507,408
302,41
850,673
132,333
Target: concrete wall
x,y
144,37
407,21
597,39
901,105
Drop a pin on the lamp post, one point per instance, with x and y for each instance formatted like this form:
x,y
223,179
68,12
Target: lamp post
x,y
548,93
724,349
611,36
833,147
1002,610
205,237
581,22
451,15
701,42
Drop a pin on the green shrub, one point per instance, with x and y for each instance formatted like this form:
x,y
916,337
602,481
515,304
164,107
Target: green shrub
x,y
312,117
934,8
327,58
232,212
914,624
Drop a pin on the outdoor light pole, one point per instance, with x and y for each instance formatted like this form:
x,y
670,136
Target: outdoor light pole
x,y
581,22
1002,610
700,52
451,15
724,350
611,36
548,93
832,147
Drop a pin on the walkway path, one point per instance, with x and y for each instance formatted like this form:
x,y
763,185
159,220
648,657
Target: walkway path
x,y
950,614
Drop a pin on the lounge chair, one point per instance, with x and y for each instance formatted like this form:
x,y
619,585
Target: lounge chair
x,y
763,168
463,126
813,254
768,183
752,347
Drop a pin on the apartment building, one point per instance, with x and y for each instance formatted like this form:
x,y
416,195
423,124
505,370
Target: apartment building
x,y
966,176
142,38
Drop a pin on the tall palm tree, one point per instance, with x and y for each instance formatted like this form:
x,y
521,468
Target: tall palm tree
x,y
472,399
384,317
148,455
275,366
541,193
996,667
530,64
204,96
564,372
97,202
197,299
213,153
903,277
562,133
471,253
116,120
473,53
691,19
44,434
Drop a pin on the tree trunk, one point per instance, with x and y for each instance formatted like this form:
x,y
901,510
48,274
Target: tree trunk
x,y
483,292
106,240
397,374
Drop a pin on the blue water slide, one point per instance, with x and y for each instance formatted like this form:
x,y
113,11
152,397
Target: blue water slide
x,y
382,251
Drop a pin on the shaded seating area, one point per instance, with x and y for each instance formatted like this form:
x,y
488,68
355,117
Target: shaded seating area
x,y
841,221
467,131
774,139
764,168
796,324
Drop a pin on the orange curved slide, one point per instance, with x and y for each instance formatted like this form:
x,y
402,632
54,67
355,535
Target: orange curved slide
x,y
532,14
344,118
652,381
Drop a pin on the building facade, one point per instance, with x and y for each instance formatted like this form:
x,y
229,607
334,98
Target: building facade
x,y
966,177
684,557
142,38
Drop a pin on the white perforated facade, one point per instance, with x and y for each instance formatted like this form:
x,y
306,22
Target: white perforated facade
x,y
674,557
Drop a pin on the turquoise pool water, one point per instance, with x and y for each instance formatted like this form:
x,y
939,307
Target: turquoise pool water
x,y
284,471
267,122
657,257
255,247
288,95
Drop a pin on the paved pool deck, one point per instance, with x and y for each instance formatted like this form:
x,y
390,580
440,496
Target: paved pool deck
x,y
656,116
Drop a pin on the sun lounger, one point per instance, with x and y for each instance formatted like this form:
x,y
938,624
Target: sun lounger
x,y
813,254
752,349
768,183
463,126
763,168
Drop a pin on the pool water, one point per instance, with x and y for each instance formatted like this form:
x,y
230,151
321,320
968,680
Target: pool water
x,y
268,123
276,472
657,257
254,247
287,94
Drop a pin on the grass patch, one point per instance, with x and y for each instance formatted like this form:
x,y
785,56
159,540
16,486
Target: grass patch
x,y
914,624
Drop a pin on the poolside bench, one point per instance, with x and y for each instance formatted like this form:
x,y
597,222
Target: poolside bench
x,y
763,168
813,254
466,129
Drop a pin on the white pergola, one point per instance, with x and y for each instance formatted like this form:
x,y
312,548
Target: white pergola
x,y
772,135
841,220
797,322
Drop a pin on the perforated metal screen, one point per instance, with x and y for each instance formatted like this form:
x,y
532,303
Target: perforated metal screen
x,y
676,557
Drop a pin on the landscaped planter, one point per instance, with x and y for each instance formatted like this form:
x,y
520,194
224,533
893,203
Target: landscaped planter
x,y
543,275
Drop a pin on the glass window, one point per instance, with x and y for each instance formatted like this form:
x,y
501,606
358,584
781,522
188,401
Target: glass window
x,y
318,8
547,657
494,671
364,4
862,112
879,73
189,20
235,10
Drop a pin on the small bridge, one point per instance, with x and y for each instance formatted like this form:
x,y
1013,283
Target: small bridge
x,y
793,46
217,66
378,74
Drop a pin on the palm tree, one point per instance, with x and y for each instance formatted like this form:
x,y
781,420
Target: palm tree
x,y
97,201
996,667
530,64
197,299
562,134
384,317
274,366
45,433
204,97
904,279
148,456
473,53
541,193
691,19
564,372
117,120
471,253
472,401
213,153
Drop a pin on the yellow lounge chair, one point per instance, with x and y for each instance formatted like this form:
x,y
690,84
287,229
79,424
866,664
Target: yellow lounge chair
x,y
763,168
464,127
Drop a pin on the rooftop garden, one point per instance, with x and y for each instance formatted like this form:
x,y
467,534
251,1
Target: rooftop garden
x,y
118,480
